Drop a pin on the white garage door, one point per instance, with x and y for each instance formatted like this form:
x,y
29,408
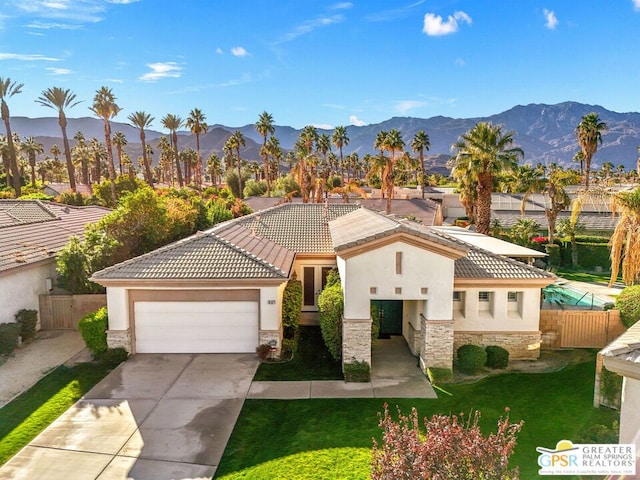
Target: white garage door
x,y
196,327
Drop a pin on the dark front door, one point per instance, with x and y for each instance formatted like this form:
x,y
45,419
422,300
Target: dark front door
x,y
389,313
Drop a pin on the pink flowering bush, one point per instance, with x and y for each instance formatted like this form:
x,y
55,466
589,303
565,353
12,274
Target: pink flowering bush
x,y
449,448
540,240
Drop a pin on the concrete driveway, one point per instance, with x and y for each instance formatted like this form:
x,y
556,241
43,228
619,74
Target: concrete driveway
x,y
155,417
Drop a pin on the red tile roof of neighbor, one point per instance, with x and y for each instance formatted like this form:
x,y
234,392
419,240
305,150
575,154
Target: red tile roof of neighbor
x,y
33,230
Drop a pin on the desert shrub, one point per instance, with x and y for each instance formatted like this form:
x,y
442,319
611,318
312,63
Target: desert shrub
x,y
254,189
9,333
37,196
123,183
71,198
263,351
450,447
27,319
93,328
286,185
357,371
438,376
599,434
628,302
497,357
610,388
471,358
218,211
331,308
113,356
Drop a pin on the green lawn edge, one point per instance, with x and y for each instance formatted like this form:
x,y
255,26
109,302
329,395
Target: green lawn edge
x,y
22,419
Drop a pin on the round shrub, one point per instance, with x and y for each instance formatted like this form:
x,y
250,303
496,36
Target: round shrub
x,y
628,302
93,328
27,319
113,356
497,357
471,358
9,333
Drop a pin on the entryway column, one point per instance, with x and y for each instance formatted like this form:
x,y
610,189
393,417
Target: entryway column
x,y
437,346
356,340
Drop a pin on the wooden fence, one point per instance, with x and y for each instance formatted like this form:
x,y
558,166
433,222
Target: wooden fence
x,y
579,328
65,311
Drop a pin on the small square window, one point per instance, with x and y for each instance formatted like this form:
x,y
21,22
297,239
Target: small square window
x,y
373,290
483,296
424,290
512,296
398,290
456,296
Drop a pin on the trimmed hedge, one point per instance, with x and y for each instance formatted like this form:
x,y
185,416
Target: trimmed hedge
x,y
471,358
331,308
589,255
113,356
27,319
93,328
628,302
292,304
497,357
9,333
357,371
553,251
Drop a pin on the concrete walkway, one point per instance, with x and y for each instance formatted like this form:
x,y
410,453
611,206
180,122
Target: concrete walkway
x,y
32,361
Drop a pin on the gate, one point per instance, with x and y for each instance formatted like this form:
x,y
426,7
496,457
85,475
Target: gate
x,y
65,311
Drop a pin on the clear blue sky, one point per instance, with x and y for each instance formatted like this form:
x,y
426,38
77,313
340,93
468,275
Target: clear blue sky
x,y
322,62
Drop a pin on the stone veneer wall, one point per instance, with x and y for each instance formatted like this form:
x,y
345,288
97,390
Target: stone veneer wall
x,y
356,340
266,336
414,339
119,339
437,346
520,345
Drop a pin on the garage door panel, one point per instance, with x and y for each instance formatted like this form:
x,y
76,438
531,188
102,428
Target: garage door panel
x,y
196,327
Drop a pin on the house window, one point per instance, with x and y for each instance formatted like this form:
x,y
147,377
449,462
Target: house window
x,y
484,296
398,290
424,290
456,296
512,296
373,290
398,263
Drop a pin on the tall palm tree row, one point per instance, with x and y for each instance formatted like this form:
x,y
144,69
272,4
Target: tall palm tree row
x,y
264,126
32,147
142,120
589,134
173,123
120,141
105,107
419,144
7,90
196,123
340,139
61,99
482,153
392,143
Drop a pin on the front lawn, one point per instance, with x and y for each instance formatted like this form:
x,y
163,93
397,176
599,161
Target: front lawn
x,y
584,276
25,417
275,439
312,361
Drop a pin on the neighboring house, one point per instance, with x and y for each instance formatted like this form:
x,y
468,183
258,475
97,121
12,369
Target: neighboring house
x,y
56,189
221,290
31,234
622,356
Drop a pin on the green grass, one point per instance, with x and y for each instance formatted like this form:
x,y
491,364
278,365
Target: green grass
x,y
24,418
312,361
275,439
584,276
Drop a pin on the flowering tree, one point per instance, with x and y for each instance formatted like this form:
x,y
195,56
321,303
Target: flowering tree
x,y
448,449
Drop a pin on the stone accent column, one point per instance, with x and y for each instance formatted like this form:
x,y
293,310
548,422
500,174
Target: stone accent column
x,y
356,340
266,336
119,339
437,347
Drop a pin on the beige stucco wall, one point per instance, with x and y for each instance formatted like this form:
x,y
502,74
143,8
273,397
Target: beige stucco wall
x,y
630,415
21,288
377,268
498,315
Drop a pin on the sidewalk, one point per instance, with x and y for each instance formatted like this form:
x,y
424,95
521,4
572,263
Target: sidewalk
x,y
30,362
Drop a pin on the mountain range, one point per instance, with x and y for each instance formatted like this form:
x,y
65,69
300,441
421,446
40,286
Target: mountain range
x,y
546,133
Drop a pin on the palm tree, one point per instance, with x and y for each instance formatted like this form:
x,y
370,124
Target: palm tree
x,y
142,120
214,168
419,144
559,200
120,141
392,143
483,152
625,241
589,134
55,151
105,107
265,127
81,154
571,227
340,139
7,90
173,123
196,123
579,157
98,154
238,141
61,99
32,147
527,180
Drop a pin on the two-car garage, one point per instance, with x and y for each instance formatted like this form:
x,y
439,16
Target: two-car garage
x,y
195,321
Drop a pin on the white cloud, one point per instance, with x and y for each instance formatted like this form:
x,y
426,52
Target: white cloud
x,y
61,13
323,126
636,4
219,51
239,52
435,26
122,2
342,6
404,106
112,80
353,120
59,71
52,25
27,57
459,62
309,26
394,13
552,20
161,70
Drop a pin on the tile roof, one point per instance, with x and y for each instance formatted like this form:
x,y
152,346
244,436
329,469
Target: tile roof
x,y
206,256
486,242
300,227
591,221
41,229
626,347
483,264
363,225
